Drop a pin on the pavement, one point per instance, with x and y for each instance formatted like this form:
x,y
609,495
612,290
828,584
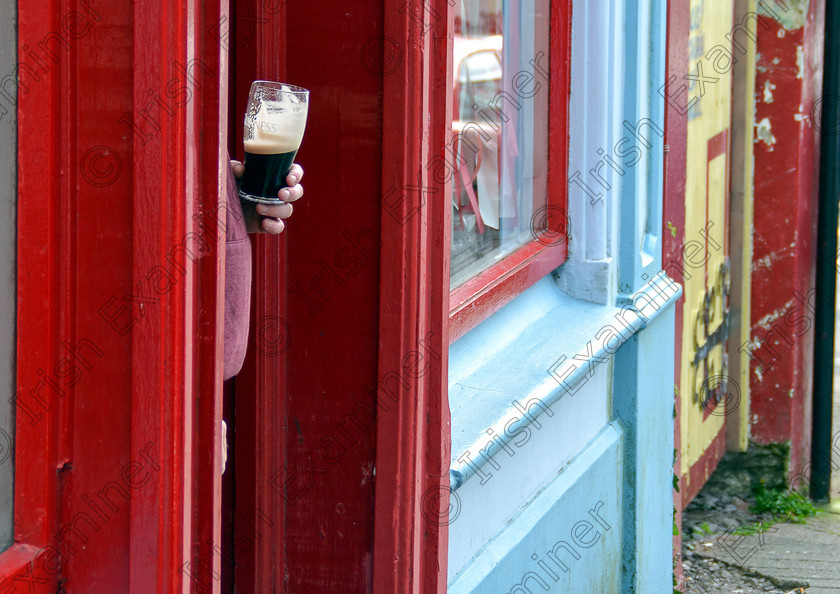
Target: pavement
x,y
791,556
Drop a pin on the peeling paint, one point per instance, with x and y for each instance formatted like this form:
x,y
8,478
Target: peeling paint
x,y
764,133
800,62
753,345
767,321
790,14
768,260
764,262
768,91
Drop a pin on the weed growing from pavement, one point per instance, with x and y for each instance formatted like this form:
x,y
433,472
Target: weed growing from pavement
x,y
704,527
780,504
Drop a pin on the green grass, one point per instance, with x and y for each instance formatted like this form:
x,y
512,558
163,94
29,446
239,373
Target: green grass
x,y
751,529
781,504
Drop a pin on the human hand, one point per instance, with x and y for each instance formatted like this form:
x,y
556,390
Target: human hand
x,y
267,218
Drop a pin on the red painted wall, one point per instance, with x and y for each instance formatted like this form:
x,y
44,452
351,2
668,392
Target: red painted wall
x,y
786,168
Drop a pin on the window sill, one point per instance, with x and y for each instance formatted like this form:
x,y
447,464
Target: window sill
x,y
540,347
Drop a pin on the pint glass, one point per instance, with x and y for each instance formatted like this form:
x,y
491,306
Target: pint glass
x,y
274,124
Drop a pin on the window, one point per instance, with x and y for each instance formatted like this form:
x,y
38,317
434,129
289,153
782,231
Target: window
x,y
508,135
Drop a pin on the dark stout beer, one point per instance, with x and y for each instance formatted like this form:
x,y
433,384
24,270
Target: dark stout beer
x,y
265,175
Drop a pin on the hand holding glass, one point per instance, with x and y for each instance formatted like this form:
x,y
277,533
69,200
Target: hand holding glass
x,y
274,125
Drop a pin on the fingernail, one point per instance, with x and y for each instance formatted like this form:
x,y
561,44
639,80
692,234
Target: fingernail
x,y
294,179
286,194
261,209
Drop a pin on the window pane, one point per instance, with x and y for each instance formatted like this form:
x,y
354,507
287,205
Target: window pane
x,y
8,173
500,129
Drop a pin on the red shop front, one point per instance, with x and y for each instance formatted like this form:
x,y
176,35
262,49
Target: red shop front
x,y
339,421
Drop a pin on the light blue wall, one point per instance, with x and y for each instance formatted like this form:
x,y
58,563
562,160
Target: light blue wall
x,y
643,388
566,539
644,367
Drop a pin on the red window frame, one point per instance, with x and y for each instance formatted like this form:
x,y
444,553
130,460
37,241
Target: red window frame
x,y
485,293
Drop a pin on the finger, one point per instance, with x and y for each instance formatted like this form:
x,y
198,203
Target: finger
x,y
291,194
277,211
295,175
272,226
238,168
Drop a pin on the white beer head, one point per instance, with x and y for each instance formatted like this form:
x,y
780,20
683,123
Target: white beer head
x,y
278,125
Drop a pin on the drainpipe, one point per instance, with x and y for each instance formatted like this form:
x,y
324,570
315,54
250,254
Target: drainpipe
x,y
828,120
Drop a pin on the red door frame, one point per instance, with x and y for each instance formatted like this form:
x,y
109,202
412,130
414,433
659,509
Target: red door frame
x,y
412,459
179,522
103,202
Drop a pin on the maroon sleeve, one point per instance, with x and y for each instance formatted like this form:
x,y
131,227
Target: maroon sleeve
x,y
237,282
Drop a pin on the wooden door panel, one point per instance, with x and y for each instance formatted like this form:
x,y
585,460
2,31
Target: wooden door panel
x,y
704,375
120,310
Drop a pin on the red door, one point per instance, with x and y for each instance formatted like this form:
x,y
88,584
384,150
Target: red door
x,y
119,304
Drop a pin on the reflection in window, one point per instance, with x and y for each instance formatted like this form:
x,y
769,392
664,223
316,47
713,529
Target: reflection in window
x,y
500,129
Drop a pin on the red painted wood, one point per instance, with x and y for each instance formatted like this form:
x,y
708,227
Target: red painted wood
x,y
36,455
309,468
785,236
22,570
158,517
478,298
258,51
60,339
701,470
412,450
206,147
481,296
177,355
118,476
673,219
91,113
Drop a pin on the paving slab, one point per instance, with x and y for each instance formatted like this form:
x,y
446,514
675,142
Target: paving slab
x,y
796,555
